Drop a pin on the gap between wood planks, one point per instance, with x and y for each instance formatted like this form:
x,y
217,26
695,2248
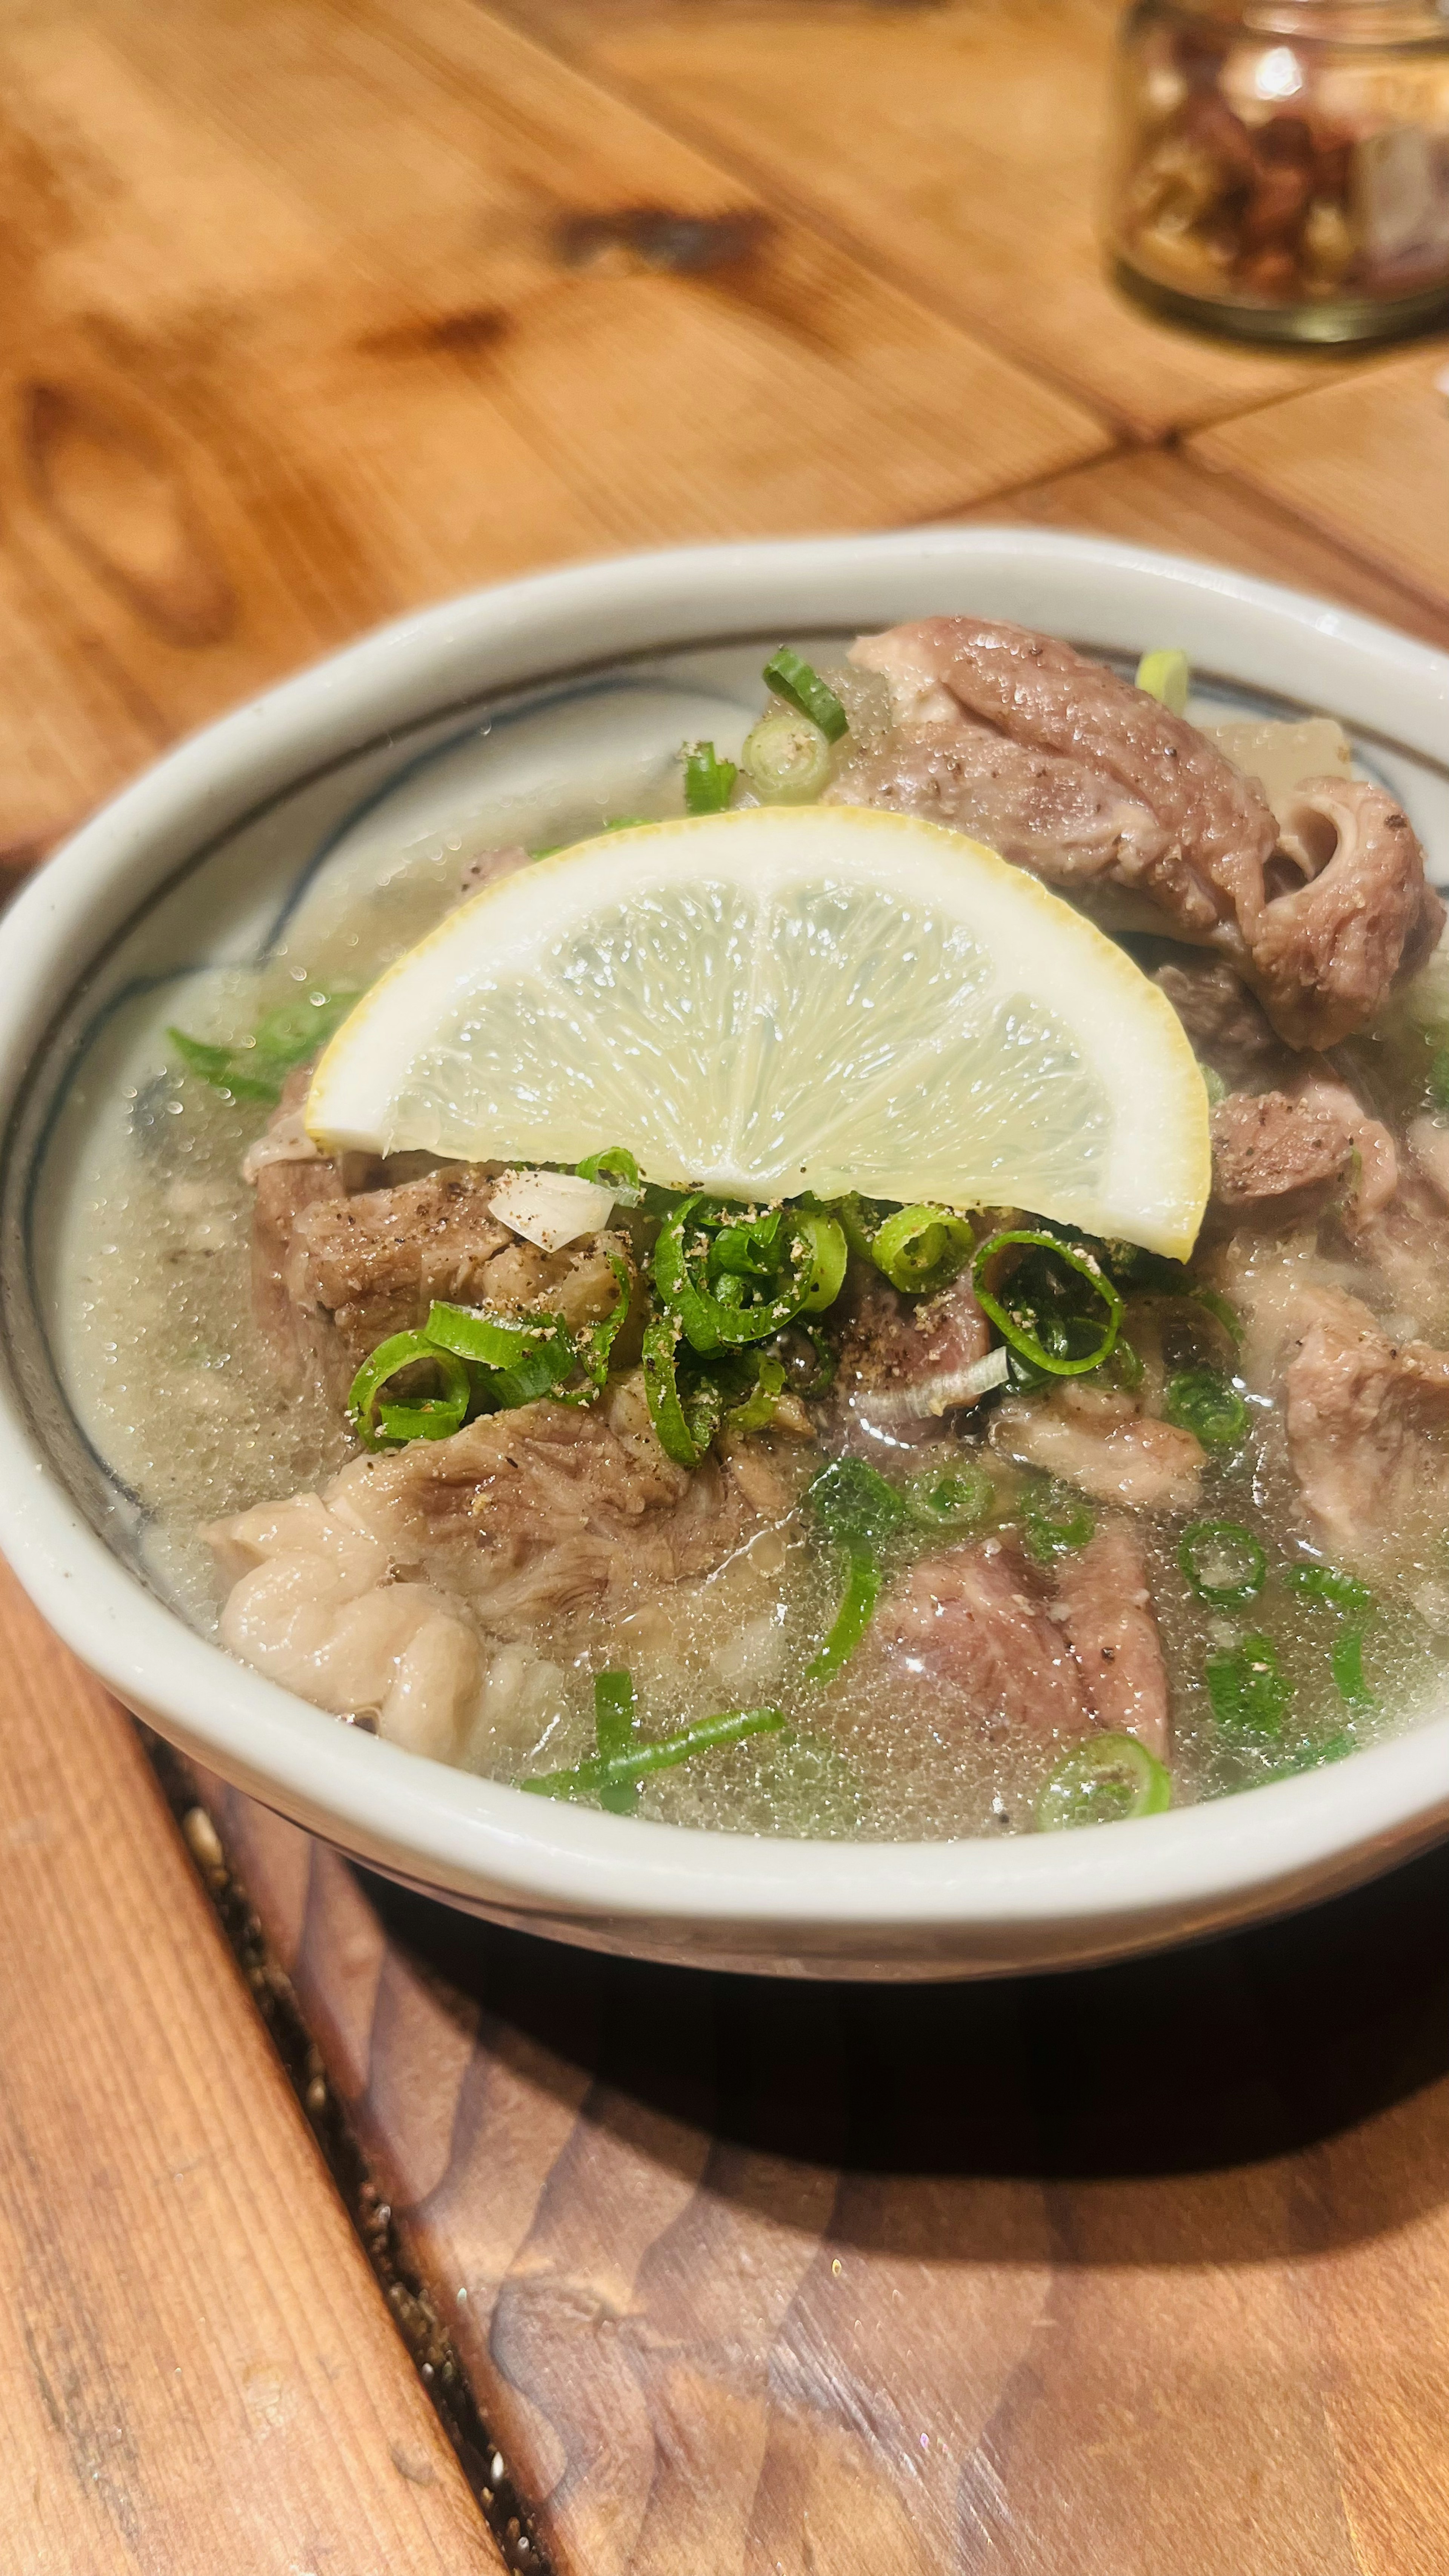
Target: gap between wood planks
x,y
429,2346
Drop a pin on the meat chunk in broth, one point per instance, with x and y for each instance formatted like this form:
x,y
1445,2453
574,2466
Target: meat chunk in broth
x,y
1320,917
978,1619
1104,1603
1367,1420
521,1520
1280,1157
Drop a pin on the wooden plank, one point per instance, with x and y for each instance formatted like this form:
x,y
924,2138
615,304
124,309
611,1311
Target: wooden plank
x,y
1366,463
359,301
1187,507
196,2367
1141,2268
960,147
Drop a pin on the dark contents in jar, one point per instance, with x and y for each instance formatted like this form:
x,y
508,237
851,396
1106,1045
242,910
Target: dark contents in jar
x,y
1338,192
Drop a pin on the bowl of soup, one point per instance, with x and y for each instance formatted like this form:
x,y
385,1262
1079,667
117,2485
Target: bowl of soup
x,y
744,1256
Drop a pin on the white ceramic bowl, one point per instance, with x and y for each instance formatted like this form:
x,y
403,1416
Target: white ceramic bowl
x,y
235,824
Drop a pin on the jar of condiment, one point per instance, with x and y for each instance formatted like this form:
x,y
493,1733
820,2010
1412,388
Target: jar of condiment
x,y
1281,167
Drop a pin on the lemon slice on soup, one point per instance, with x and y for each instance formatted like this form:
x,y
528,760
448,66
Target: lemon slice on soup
x,y
778,1000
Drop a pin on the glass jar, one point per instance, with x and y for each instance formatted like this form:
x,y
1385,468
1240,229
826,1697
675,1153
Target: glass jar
x,y
1281,168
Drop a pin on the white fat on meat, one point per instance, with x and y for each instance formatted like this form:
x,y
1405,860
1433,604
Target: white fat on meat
x,y
1095,1438
315,1607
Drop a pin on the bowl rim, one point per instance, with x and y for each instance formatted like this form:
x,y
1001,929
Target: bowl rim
x,y
469,1837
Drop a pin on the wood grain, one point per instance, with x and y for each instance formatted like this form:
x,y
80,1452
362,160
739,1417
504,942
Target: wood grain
x,y
349,306
1187,506
1365,463
196,2367
1141,2268
958,146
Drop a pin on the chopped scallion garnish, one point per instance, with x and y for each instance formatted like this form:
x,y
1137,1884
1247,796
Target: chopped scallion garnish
x,y
1247,1687
855,1507
1055,1522
1325,1583
1223,1562
709,782
949,1498
1166,676
257,1067
1207,1404
615,1169
922,1249
800,685
605,1773
1033,1312
383,1425
1104,1781
786,759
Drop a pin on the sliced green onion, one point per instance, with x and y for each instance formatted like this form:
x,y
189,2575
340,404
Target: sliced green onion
x,y
621,1770
800,685
256,1067
1166,676
749,1250
1247,1688
684,1429
1056,1523
709,782
1325,1583
857,1607
809,1273
697,1312
519,1360
1223,1313
1015,1323
922,1249
1124,1367
1313,1755
1206,1403
615,1169
1213,1084
1438,1076
625,822
1223,1562
853,1505
615,1726
596,1340
786,760
949,1498
1348,1673
859,1220
757,1411
823,1263
384,1426
225,1068
1104,1782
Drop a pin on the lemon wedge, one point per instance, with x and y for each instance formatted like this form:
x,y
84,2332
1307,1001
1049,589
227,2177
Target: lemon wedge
x,y
778,1000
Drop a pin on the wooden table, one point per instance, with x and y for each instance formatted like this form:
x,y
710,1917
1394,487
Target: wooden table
x,y
311,310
